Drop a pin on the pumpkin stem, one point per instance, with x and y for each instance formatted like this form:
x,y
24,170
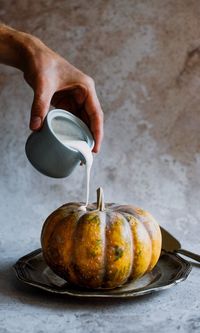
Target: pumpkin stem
x,y
100,199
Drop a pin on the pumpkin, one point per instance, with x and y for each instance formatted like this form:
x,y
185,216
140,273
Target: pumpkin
x,y
103,246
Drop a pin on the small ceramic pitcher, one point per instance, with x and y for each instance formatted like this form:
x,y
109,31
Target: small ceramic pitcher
x,y
45,150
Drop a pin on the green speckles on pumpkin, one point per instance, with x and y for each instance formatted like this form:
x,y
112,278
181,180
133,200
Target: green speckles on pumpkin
x,y
91,253
131,219
138,252
94,219
98,242
93,250
128,217
118,252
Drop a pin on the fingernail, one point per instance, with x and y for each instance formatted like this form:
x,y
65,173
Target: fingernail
x,y
36,123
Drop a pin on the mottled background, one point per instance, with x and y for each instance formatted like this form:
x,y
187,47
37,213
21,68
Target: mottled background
x,y
145,59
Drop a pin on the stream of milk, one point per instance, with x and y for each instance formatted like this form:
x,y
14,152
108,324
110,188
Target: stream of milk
x,y
85,150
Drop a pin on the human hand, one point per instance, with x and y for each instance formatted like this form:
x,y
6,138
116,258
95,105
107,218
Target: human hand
x,y
55,81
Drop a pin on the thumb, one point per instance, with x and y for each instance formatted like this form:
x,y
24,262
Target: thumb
x,y
40,108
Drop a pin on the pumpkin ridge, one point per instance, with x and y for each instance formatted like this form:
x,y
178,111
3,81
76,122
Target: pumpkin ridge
x,y
124,214
118,253
104,244
53,222
136,240
47,221
104,277
72,263
132,245
137,216
148,231
48,254
144,223
106,268
89,248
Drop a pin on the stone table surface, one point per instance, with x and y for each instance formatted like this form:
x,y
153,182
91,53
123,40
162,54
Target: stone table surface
x,y
145,59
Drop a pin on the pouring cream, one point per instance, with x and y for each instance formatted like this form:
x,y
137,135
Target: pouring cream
x,y
85,150
71,136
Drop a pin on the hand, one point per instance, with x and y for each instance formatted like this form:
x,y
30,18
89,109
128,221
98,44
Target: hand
x,y
55,81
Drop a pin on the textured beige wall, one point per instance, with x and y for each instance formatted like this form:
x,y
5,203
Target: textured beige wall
x,y
145,59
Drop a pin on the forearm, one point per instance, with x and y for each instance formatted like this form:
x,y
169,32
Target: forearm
x,y
14,46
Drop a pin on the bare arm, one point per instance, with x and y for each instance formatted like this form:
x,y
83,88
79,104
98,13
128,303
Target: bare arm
x,y
53,79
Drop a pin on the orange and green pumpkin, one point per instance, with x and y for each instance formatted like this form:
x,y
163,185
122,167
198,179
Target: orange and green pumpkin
x,y
103,246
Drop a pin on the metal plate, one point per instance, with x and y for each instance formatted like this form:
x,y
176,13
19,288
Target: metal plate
x,y
170,269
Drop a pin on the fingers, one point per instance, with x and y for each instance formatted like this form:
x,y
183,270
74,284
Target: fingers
x,y
40,108
81,99
96,126
64,100
95,114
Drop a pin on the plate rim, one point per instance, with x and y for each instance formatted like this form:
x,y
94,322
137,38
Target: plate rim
x,y
182,275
